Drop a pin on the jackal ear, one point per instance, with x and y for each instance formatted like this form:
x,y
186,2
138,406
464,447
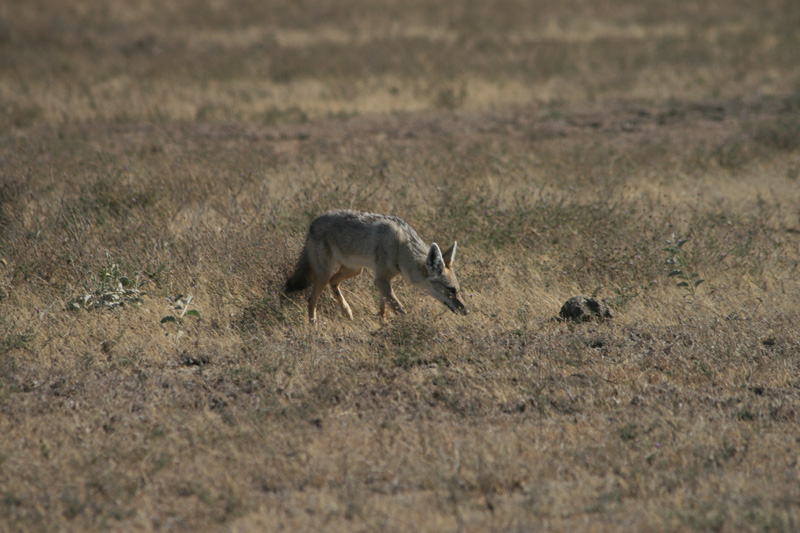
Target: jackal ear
x,y
449,255
434,262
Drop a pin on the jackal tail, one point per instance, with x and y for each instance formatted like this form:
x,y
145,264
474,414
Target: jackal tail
x,y
301,277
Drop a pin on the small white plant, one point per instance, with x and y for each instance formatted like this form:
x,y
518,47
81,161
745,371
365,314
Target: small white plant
x,y
180,303
112,290
681,268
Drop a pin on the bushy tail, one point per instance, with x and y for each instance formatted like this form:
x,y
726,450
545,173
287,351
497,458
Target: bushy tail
x,y
301,277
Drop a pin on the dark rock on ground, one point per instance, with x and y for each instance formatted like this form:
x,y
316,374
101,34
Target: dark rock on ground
x,y
585,308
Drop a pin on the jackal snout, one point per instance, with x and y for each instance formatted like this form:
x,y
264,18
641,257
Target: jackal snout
x,y
458,306
451,297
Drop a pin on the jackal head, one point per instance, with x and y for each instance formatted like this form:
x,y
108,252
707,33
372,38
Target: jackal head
x,y
441,282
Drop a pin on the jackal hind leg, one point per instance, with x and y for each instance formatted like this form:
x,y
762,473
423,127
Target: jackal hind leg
x,y
343,274
316,289
387,295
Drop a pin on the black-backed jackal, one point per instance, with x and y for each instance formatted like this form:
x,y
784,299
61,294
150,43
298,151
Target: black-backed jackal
x,y
340,244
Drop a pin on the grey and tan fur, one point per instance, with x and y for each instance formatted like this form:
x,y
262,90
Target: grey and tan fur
x,y
340,244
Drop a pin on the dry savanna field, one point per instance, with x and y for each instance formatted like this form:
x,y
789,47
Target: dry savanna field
x,y
160,163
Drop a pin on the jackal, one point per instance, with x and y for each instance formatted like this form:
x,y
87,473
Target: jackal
x,y
340,244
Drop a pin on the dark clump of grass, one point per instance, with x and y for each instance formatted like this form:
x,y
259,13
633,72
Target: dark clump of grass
x,y
13,337
265,312
780,134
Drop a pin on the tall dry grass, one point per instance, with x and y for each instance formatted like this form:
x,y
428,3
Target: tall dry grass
x,y
153,152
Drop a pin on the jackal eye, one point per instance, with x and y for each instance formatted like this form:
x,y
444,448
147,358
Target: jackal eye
x,y
451,291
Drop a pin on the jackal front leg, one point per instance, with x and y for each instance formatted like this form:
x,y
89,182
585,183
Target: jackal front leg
x,y
387,295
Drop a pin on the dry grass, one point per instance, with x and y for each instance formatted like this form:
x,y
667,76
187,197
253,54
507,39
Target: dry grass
x,y
186,147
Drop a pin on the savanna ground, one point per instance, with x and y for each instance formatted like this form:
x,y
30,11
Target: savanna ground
x,y
156,151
